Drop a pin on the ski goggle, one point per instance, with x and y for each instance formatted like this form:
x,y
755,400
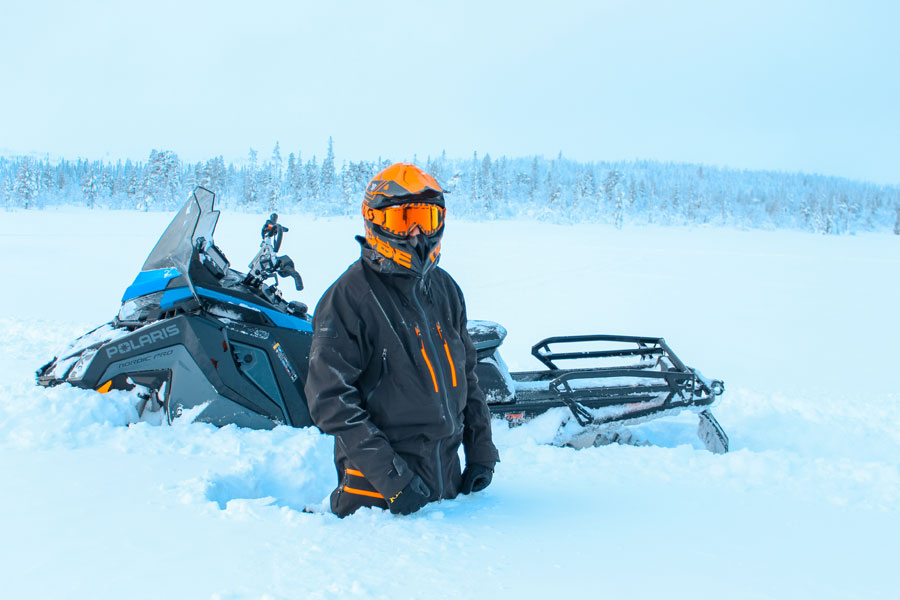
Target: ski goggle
x,y
400,219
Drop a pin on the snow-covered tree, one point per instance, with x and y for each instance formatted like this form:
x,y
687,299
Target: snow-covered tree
x,y
89,188
486,193
610,188
250,173
162,181
327,175
311,172
276,162
26,185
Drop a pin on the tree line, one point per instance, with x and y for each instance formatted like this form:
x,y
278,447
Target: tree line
x,y
481,187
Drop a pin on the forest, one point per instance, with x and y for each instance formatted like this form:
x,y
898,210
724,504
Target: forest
x,y
482,187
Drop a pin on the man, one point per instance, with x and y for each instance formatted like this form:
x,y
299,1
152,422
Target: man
x,y
392,367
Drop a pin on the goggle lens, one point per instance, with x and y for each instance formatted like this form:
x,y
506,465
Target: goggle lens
x,y
400,219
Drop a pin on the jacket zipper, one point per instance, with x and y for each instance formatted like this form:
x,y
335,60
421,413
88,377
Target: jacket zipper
x,y
449,357
441,391
427,361
380,376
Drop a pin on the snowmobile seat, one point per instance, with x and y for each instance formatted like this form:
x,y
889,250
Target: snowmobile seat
x,y
486,336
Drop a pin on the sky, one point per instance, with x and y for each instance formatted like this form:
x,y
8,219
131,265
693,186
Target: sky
x,y
788,86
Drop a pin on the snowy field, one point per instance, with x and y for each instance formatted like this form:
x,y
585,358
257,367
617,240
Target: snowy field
x,y
806,504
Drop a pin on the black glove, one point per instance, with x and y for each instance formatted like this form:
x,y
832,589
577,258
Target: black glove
x,y
475,478
411,498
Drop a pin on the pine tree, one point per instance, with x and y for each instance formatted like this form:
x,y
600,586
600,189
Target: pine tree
x,y
250,192
533,181
295,180
131,183
26,185
290,178
89,188
6,187
327,174
554,192
485,179
619,210
217,174
273,191
436,167
586,187
675,202
162,180
312,181
691,209
62,181
610,188
347,186
500,181
643,197
47,180
276,161
475,170
272,180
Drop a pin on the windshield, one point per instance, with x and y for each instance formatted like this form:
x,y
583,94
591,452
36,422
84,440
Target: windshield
x,y
196,219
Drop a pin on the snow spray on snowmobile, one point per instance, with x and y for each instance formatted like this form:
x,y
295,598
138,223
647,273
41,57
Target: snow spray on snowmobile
x,y
196,338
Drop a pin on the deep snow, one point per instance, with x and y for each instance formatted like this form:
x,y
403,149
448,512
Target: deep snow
x,y
807,503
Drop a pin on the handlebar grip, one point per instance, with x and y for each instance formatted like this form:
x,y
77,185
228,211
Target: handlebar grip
x,y
279,235
271,227
298,281
285,267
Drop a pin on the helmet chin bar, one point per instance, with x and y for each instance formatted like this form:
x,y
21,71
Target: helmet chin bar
x,y
419,255
419,247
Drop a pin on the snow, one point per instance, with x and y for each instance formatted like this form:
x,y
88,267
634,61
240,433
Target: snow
x,y
807,504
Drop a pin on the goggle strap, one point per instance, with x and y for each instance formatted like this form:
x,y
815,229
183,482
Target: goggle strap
x,y
373,214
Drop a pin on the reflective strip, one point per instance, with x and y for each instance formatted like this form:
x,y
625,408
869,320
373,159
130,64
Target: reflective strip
x,y
427,362
355,472
351,490
105,387
449,358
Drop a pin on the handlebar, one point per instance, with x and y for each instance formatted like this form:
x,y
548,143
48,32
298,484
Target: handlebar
x,y
266,264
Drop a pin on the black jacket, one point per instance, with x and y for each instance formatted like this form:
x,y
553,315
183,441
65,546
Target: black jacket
x,y
392,378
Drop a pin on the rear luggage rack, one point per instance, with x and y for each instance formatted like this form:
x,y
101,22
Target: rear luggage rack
x,y
649,379
646,346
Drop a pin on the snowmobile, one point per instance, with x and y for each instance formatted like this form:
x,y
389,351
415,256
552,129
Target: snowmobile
x,y
195,338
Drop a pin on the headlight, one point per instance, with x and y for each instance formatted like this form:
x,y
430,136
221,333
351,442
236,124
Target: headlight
x,y
83,363
132,310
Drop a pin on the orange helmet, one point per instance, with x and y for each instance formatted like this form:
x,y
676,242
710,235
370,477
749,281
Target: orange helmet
x,y
397,183
397,200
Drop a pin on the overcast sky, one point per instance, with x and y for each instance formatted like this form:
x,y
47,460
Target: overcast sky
x,y
793,86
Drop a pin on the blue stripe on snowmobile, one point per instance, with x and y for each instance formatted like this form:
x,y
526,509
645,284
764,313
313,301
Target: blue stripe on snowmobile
x,y
148,282
279,319
174,295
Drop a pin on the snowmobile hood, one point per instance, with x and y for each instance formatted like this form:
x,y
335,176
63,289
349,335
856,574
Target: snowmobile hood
x,y
148,282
